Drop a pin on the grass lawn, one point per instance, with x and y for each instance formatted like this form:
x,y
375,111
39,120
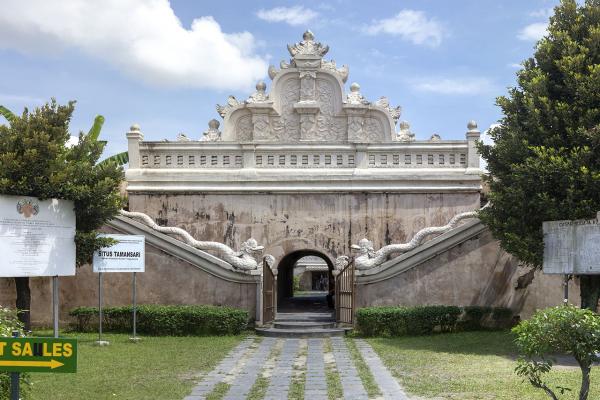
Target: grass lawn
x,y
154,368
469,365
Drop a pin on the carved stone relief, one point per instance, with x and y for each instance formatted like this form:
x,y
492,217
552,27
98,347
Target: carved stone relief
x,y
290,94
244,128
262,128
372,130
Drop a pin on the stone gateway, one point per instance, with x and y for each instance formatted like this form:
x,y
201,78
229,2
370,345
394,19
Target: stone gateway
x,y
304,167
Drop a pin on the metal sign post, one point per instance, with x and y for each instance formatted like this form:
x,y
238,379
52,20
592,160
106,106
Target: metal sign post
x,y
100,342
55,304
14,379
134,304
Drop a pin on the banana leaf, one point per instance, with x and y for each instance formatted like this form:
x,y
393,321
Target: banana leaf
x,y
6,113
94,132
119,158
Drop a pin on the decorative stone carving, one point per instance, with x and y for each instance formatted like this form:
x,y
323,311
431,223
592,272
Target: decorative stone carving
x,y
394,112
270,261
355,127
244,128
354,97
290,94
272,71
262,128
405,134
435,138
307,85
340,263
369,258
182,137
342,72
308,46
245,259
307,126
260,96
231,103
372,130
213,134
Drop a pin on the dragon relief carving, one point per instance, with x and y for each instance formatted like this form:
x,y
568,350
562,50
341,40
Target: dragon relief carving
x,y
244,259
369,258
342,72
394,112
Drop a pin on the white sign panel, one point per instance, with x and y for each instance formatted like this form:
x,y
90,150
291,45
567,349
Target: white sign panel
x,y
37,238
572,247
126,256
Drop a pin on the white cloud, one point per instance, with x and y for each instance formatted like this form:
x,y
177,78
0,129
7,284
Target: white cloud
x,y
486,139
533,32
454,86
142,38
410,25
294,16
515,65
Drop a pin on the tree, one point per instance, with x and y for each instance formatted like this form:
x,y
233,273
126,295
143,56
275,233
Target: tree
x,y
564,330
35,161
545,164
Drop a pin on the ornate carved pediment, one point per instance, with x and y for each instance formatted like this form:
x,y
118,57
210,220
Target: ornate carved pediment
x,y
307,103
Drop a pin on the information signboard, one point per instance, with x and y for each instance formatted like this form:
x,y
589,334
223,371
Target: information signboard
x,y
38,355
125,256
572,247
37,237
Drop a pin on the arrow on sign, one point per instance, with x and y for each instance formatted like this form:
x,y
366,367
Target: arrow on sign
x,y
44,364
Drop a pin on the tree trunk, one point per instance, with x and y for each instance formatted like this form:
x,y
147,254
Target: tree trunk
x,y
585,382
589,289
24,301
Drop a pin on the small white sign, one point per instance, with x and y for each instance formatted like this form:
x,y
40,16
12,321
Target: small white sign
x,y
572,247
37,238
125,256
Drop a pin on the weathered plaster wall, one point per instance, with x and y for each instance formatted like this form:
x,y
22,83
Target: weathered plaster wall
x,y
476,272
167,280
283,223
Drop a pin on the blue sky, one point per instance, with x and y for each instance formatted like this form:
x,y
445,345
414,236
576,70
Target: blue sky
x,y
165,64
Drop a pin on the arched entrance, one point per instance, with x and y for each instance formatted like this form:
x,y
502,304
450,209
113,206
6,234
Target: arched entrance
x,y
305,282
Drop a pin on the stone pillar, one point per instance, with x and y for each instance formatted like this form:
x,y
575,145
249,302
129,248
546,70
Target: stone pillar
x,y
134,137
473,134
249,160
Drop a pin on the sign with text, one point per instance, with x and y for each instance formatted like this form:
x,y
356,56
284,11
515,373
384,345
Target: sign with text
x,y
125,256
37,237
38,355
572,247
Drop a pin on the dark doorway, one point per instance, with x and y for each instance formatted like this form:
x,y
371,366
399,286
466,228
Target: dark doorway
x,y
305,283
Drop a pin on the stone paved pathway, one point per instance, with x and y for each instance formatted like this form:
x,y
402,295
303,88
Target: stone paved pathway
x,y
282,360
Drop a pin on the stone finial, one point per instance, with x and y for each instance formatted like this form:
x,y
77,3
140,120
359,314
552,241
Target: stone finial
x,y
354,97
182,137
308,47
231,103
260,95
212,134
405,135
134,128
435,138
472,126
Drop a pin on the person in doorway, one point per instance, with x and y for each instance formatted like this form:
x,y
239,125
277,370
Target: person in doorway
x,y
329,297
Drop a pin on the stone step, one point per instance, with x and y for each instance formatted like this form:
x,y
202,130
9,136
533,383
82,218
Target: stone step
x,y
304,317
303,324
300,333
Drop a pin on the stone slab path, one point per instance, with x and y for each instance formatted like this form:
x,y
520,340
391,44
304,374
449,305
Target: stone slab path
x,y
280,369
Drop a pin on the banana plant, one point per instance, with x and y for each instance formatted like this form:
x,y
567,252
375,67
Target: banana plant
x,y
94,133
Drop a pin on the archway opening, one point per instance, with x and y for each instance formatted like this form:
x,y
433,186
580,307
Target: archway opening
x,y
305,283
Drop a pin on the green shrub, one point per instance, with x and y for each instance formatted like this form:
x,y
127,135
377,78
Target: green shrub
x,y
424,320
473,316
558,330
172,320
8,324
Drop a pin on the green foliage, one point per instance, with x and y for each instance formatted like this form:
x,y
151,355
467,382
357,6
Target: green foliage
x,y
557,330
173,320
8,324
94,132
6,113
119,159
424,320
296,280
35,161
545,163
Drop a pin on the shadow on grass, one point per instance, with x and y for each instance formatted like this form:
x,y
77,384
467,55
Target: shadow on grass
x,y
499,343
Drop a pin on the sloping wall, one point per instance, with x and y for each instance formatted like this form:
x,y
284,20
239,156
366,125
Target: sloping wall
x,y
463,267
175,274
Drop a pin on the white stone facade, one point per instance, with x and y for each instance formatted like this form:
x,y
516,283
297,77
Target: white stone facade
x,y
307,134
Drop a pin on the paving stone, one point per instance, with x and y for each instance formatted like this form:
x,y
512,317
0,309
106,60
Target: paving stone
x,y
352,385
388,385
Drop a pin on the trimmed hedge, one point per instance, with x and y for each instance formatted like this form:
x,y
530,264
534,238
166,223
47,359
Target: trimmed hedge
x,y
424,320
175,320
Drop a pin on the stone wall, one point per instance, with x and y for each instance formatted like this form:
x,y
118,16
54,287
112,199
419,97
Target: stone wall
x,y
167,280
476,272
283,223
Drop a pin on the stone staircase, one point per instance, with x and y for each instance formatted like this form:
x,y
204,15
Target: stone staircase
x,y
303,325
